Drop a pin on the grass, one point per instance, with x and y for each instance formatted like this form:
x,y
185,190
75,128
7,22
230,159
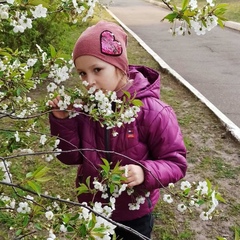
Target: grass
x,y
212,153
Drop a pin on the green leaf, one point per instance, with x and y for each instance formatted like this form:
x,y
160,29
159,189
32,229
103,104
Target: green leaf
x,y
186,191
116,177
220,198
106,166
75,217
91,238
171,17
82,189
88,181
18,232
29,175
184,3
66,218
137,102
222,5
127,94
111,188
83,230
25,221
187,19
200,202
114,237
70,229
92,222
40,172
43,179
18,91
43,75
53,51
38,226
35,186
220,23
209,185
28,74
236,234
189,13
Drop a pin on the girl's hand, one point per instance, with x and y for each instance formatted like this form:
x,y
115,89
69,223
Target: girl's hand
x,y
55,109
135,175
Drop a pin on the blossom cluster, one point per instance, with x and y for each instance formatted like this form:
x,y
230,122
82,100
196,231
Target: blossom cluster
x,y
19,19
200,196
191,17
102,106
12,71
112,189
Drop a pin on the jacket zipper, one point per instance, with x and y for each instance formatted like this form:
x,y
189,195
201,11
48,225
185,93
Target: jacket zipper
x,y
107,143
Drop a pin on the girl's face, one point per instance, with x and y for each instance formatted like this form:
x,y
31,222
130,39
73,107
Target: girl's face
x,y
100,74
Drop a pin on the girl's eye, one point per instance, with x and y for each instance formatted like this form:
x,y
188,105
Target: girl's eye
x,y
82,74
96,70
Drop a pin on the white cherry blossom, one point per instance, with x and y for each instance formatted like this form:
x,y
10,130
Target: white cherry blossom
x,y
23,208
39,11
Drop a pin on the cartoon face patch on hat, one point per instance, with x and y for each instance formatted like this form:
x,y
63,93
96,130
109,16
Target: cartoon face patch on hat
x,y
109,44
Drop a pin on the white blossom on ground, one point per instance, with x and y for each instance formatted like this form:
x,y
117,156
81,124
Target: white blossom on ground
x,y
28,197
63,228
49,215
214,203
202,188
43,139
51,236
17,138
167,198
181,207
49,158
185,185
204,216
23,208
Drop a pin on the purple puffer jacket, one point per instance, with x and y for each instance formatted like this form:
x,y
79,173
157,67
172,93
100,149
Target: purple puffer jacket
x,y
154,140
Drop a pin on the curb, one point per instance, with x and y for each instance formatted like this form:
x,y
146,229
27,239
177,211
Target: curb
x,y
228,124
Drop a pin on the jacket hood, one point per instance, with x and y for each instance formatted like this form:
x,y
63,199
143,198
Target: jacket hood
x,y
146,82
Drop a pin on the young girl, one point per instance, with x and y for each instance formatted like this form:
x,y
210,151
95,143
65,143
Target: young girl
x,y
153,140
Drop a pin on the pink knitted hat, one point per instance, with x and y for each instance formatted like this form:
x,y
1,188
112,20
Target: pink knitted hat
x,y
106,41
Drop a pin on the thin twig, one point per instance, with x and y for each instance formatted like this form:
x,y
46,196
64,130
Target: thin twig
x,y
80,205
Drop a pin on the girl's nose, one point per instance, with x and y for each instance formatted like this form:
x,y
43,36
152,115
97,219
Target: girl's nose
x,y
90,79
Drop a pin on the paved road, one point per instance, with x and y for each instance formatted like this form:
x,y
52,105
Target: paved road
x,y
210,63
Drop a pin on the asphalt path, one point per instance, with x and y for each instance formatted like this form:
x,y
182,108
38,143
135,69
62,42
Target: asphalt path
x,y
209,64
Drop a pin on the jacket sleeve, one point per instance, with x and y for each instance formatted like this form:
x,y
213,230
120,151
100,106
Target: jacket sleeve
x,y
67,132
166,148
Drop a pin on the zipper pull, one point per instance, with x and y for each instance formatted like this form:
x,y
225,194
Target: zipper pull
x,y
130,133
